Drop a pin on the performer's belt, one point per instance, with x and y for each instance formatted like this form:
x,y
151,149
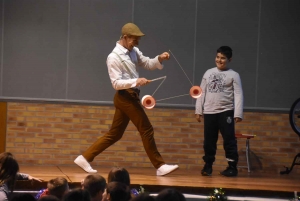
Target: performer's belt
x,y
136,90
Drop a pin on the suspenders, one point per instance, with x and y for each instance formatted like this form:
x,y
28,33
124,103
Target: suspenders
x,y
124,64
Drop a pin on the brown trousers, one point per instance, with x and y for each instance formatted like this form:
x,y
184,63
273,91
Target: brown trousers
x,y
128,107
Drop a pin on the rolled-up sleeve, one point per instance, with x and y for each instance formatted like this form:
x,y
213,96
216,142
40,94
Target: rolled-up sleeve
x,y
147,62
22,176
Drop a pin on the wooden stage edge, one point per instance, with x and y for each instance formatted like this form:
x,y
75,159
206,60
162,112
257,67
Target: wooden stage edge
x,y
188,182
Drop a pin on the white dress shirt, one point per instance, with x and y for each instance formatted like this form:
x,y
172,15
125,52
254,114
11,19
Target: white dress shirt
x,y
125,77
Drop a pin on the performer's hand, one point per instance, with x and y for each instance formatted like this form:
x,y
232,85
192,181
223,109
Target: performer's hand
x,y
198,117
237,119
164,56
141,81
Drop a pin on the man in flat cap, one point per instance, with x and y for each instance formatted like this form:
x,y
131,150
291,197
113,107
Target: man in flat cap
x,y
122,66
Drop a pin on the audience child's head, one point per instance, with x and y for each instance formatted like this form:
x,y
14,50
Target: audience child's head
x,y
77,195
58,187
119,174
95,184
8,169
49,198
117,191
170,194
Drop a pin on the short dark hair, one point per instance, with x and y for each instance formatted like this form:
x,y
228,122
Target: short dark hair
x,y
225,50
119,174
143,197
170,194
58,186
77,195
94,183
49,198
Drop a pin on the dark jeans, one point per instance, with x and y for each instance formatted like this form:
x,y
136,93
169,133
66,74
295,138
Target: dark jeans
x,y
223,122
128,107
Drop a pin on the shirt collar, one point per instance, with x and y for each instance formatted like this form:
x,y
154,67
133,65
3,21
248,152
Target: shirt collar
x,y
123,49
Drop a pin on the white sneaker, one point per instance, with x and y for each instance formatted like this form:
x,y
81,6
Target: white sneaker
x,y
82,162
165,169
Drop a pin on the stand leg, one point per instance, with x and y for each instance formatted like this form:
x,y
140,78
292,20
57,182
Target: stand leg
x,y
295,162
247,154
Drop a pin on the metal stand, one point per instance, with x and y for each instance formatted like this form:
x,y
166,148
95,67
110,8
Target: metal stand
x,y
247,154
295,162
247,137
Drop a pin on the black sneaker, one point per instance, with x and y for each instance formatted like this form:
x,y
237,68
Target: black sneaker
x,y
230,171
207,170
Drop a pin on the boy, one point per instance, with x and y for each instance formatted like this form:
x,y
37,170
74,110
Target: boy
x,y
221,105
57,187
95,184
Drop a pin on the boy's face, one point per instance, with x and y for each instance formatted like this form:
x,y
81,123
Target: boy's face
x,y
222,61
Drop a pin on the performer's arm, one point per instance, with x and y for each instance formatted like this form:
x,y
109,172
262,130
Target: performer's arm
x,y
148,63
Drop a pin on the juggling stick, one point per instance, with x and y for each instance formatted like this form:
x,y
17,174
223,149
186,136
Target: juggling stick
x,y
158,78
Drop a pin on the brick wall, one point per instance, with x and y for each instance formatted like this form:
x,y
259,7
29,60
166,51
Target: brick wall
x,y
51,134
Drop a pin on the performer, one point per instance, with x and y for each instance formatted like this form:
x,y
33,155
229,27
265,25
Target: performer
x,y
221,104
122,65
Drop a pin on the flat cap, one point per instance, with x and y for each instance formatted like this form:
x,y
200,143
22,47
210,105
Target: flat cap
x,y
132,30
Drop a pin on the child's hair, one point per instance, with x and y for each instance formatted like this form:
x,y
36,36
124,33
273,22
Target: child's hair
x,y
8,169
119,174
143,197
170,194
49,198
118,191
77,195
225,50
94,183
58,187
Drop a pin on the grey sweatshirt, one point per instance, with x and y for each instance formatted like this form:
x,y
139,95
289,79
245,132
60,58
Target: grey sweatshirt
x,y
4,189
221,91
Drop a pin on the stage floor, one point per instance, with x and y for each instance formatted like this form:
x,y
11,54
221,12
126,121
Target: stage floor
x,y
189,182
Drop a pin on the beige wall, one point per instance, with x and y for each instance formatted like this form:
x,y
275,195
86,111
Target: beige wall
x,y
50,134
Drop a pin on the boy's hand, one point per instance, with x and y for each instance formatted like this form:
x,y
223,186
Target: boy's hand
x,y
198,117
237,119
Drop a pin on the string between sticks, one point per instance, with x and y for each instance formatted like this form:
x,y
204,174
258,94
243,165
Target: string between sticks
x,y
181,67
164,78
172,97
